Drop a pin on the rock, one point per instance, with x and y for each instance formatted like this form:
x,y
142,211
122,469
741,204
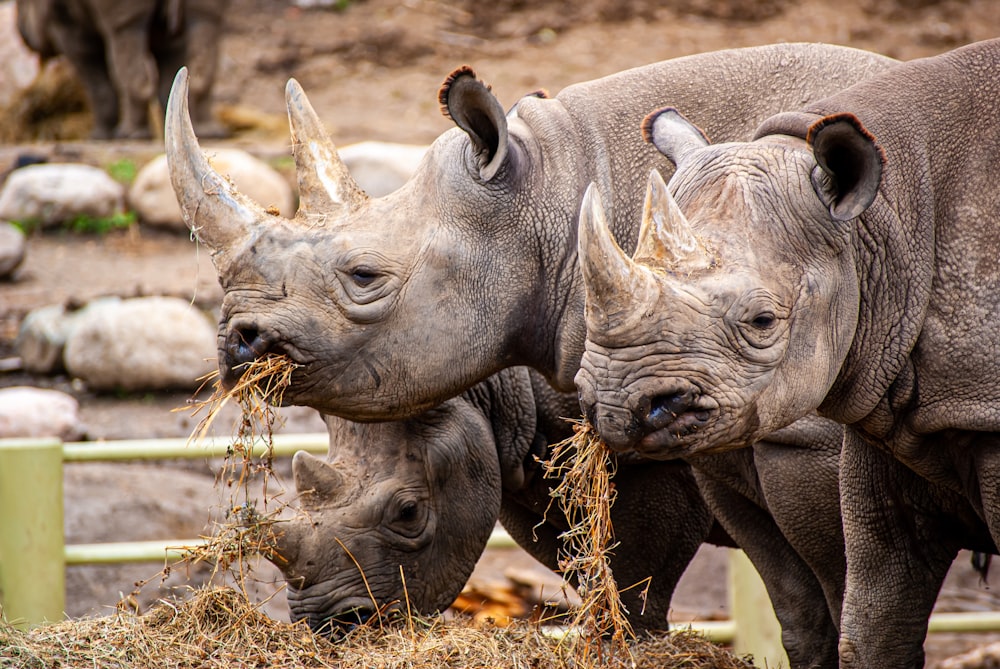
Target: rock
x,y
146,343
43,334
12,247
381,167
38,412
50,194
152,197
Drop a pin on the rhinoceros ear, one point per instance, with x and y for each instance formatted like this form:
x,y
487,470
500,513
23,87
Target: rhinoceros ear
x,y
316,481
472,106
672,134
850,162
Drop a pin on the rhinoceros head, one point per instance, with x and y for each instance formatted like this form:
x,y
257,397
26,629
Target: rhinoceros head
x,y
396,518
352,285
738,307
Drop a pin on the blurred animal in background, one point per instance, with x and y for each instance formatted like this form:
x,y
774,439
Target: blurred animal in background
x,y
126,54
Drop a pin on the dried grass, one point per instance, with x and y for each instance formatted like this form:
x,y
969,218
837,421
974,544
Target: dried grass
x,y
583,466
219,628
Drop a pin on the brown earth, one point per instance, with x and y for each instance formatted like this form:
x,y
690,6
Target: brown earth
x,y
372,71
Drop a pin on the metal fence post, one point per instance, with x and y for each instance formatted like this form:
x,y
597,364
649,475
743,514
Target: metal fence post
x,y
757,628
33,575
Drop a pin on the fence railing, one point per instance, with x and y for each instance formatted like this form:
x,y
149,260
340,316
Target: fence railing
x,y
34,556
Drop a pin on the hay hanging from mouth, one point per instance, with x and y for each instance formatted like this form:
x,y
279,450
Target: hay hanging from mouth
x,y
585,494
248,530
218,628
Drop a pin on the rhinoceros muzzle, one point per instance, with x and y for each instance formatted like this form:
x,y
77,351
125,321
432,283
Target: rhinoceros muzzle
x,y
332,619
667,417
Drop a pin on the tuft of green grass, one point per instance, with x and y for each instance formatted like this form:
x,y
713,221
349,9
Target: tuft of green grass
x,y
86,224
123,170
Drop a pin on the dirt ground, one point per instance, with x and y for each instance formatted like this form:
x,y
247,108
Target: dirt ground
x,y
372,71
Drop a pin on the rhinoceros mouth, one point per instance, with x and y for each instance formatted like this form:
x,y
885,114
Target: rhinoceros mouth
x,y
336,619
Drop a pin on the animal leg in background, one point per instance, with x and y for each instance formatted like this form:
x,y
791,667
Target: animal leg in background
x,y
891,516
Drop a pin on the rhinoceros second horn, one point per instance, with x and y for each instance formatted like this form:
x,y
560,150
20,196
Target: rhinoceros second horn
x,y
325,184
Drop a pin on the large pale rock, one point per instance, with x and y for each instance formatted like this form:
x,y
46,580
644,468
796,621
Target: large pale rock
x,y
12,247
38,412
55,193
152,197
381,167
43,334
146,343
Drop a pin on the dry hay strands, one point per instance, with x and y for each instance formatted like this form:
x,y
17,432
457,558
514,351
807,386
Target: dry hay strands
x,y
260,388
585,494
219,628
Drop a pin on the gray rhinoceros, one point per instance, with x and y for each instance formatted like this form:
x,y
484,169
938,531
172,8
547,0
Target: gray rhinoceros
x,y
846,260
417,500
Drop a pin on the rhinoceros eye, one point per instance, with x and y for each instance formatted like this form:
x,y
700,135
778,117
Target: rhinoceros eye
x,y
764,321
364,276
407,512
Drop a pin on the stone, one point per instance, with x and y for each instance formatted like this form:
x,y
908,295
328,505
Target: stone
x,y
12,248
42,337
55,193
26,411
381,167
144,343
152,197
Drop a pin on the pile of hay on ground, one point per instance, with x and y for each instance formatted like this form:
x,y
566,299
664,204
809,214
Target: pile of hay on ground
x,y
219,627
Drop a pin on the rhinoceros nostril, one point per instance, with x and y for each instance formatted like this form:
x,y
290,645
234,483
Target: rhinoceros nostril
x,y
664,409
244,345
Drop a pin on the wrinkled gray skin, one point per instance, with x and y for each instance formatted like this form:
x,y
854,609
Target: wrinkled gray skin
x,y
867,290
424,494
126,54
392,305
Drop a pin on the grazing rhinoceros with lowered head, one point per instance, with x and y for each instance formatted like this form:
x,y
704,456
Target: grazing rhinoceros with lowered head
x,y
847,259
417,500
391,305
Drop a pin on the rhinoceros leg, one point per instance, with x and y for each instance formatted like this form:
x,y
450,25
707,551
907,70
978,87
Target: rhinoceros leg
x,y
987,449
900,543
809,633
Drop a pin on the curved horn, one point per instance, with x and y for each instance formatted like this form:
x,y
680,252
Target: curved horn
x,y
316,481
613,281
665,236
214,210
325,184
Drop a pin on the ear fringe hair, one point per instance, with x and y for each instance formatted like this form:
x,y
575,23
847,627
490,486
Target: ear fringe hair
x,y
464,71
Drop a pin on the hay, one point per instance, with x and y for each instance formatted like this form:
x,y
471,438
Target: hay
x,y
584,467
219,628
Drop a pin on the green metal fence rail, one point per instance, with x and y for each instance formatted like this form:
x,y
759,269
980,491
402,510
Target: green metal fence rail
x,y
33,555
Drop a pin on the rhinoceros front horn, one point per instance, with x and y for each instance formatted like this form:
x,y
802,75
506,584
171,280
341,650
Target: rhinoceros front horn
x,y
325,184
212,207
614,283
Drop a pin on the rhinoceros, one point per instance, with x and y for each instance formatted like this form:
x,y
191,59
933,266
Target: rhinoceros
x,y
846,260
400,511
392,305
417,499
